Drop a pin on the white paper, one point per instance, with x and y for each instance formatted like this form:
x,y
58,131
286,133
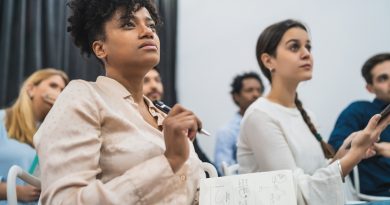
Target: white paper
x,y
262,188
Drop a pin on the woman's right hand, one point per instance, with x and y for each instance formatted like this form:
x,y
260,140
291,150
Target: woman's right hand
x,y
27,193
179,125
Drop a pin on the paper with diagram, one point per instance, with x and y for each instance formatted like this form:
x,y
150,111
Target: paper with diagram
x,y
262,188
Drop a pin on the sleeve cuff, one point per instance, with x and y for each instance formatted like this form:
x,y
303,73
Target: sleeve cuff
x,y
341,171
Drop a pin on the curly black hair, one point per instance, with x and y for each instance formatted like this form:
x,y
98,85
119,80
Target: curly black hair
x,y
237,82
86,24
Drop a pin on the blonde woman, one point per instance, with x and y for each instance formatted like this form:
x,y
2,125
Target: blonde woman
x,y
19,123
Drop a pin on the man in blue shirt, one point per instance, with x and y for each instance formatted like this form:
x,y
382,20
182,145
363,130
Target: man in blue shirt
x,y
374,173
246,88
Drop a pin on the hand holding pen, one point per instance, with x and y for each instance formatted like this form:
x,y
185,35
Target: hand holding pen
x,y
165,108
179,125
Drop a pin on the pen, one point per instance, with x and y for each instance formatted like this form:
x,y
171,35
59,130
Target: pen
x,y
165,108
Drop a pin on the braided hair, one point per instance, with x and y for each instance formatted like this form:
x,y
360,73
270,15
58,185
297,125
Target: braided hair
x,y
326,148
268,42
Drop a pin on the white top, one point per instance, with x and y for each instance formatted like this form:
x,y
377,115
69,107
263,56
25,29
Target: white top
x,y
275,137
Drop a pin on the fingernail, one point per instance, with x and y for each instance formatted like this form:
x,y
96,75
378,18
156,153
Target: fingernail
x,y
378,117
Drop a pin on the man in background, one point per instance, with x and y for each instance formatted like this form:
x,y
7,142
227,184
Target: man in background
x,y
246,88
374,172
153,87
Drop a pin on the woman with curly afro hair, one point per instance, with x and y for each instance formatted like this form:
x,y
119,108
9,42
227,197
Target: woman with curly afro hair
x,y
104,142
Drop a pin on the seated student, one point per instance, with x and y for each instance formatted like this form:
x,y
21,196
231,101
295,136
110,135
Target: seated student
x,y
104,142
246,88
277,133
18,124
374,173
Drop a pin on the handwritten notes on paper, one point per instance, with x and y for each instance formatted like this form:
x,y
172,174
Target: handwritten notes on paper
x,y
262,188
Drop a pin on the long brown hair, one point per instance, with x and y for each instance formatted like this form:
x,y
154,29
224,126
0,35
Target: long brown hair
x,y
268,42
19,120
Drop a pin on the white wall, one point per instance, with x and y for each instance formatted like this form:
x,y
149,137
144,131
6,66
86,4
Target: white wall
x,y
217,38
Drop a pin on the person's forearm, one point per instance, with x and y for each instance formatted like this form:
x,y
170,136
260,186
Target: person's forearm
x,y
3,191
342,151
350,160
339,154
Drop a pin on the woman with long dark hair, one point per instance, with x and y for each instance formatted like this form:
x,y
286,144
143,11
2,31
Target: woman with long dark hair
x,y
278,133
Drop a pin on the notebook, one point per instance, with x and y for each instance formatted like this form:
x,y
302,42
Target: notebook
x,y
261,188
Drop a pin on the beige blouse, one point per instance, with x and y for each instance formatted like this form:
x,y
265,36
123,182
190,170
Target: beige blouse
x,y
94,147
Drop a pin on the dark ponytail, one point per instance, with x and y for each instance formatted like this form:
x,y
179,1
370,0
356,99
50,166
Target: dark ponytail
x,y
326,148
